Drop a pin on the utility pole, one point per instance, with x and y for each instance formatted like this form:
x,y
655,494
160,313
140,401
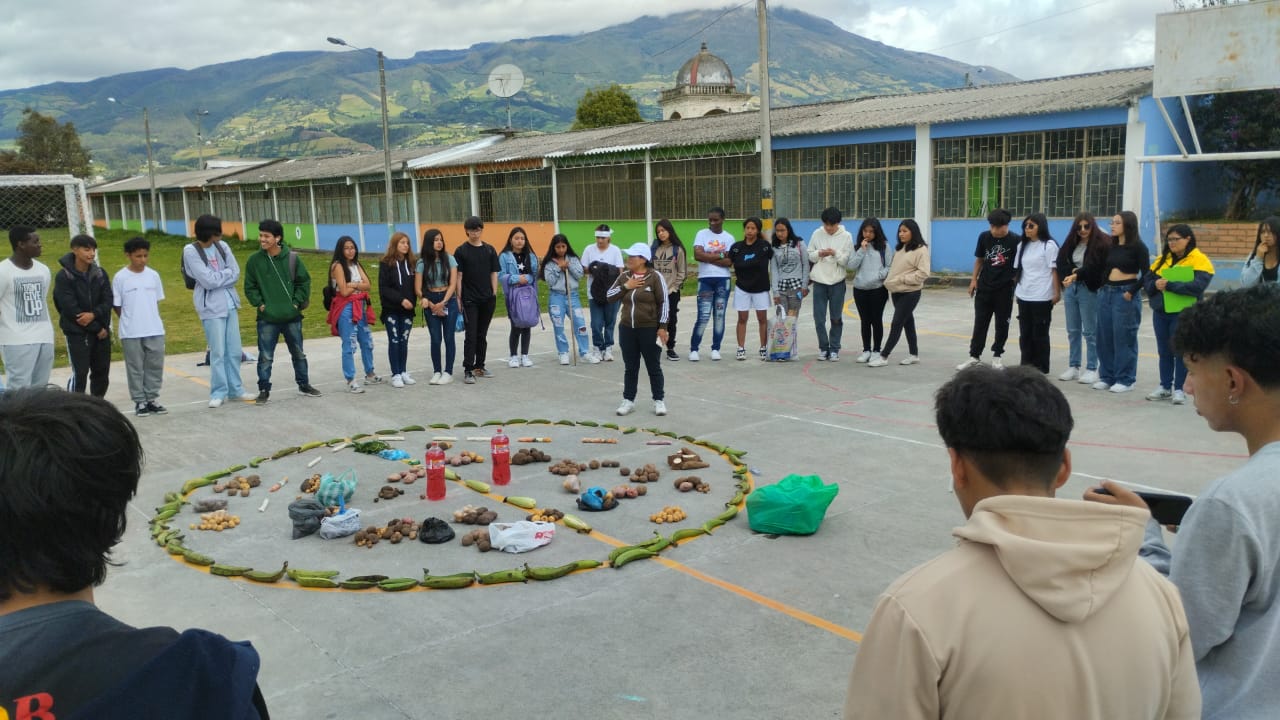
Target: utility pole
x,y
766,134
386,142
200,140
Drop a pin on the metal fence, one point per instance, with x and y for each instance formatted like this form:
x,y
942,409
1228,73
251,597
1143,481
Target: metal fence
x,y
45,201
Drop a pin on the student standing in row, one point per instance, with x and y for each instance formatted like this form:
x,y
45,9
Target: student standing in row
x,y
907,273
1037,290
211,264
711,250
1180,252
562,270
1082,263
278,285
991,287
136,292
751,257
1120,307
396,282
436,285
789,268
870,266
830,247
82,294
603,262
671,260
478,285
518,266
351,314
26,331
642,297
1261,266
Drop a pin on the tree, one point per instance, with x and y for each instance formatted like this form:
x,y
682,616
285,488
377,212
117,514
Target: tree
x,y
1241,122
606,106
47,147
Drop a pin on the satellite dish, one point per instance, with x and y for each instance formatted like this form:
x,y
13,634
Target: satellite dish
x,y
506,80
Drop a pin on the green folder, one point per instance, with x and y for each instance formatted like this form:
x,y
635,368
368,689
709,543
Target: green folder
x,y
1173,302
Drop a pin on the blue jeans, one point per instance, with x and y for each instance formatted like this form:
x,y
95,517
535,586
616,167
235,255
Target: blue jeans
x,y
604,318
1118,321
1081,304
398,329
713,298
1172,370
223,336
559,306
442,329
351,334
268,335
829,298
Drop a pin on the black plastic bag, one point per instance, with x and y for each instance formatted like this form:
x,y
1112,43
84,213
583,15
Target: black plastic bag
x,y
434,531
306,515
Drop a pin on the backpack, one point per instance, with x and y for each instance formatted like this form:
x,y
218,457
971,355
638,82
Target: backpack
x,y
522,305
293,276
603,275
189,281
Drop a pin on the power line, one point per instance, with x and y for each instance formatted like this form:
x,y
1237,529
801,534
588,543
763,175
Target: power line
x,y
1015,27
699,30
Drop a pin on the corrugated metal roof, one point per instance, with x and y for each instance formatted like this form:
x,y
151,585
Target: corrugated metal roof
x,y
192,179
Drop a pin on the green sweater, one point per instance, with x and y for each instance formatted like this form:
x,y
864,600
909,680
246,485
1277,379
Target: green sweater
x,y
267,283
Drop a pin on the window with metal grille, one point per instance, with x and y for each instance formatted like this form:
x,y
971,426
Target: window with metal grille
x,y
601,192
862,180
444,199
294,203
257,206
1058,172
172,202
687,189
226,205
335,204
522,196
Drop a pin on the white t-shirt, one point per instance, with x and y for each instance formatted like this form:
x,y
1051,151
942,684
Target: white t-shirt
x,y
24,307
712,243
1037,259
138,294
611,255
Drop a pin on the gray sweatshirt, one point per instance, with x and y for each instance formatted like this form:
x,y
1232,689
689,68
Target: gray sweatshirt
x,y
555,278
1225,567
790,262
869,268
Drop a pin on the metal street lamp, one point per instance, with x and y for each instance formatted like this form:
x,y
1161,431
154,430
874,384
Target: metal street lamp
x,y
200,140
386,143
151,168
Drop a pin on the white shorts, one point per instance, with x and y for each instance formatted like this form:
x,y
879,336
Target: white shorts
x,y
743,300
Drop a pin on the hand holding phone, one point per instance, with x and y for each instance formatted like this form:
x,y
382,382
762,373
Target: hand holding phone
x,y
1166,508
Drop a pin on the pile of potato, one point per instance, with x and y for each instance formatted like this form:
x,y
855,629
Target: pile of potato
x,y
239,485
524,456
311,484
668,514
466,457
568,467
395,531
546,515
646,474
629,491
478,537
686,459
217,521
474,515
692,482
388,493
408,476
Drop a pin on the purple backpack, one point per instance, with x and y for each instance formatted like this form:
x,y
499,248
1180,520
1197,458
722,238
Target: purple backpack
x,y
522,305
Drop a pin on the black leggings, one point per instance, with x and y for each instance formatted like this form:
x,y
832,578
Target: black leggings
x,y
870,304
638,343
519,336
904,320
673,309
1034,318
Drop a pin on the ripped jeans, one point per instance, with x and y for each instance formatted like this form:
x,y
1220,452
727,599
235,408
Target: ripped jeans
x,y
559,306
713,298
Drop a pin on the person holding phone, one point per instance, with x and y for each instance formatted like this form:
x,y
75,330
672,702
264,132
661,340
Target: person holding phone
x,y
1226,559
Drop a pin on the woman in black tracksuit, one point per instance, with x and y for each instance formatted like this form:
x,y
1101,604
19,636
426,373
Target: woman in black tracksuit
x,y
642,315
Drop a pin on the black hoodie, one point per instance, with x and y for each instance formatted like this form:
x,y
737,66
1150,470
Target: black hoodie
x,y
75,292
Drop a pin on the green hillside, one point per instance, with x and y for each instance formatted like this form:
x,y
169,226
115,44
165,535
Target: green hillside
x,y
311,103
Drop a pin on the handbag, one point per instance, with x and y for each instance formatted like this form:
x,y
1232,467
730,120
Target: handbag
x,y
782,336
460,324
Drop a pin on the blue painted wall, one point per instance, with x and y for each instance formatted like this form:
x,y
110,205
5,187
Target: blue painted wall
x,y
175,227
1030,123
896,134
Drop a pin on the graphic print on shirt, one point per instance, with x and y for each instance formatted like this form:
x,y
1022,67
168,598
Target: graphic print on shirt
x,y
29,305
998,255
716,246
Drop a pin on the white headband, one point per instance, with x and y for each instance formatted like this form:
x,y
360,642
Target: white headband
x,y
604,233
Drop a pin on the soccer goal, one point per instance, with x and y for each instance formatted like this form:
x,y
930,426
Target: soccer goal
x,y
45,201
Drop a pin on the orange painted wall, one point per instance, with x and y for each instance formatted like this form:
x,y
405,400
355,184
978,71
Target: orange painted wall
x,y
495,234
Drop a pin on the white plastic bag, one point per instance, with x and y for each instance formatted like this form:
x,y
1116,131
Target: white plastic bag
x,y
522,536
342,524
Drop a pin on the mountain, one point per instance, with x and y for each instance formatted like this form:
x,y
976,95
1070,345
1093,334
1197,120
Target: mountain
x,y
310,103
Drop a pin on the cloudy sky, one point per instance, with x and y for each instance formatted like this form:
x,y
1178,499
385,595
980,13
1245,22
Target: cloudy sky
x,y
74,40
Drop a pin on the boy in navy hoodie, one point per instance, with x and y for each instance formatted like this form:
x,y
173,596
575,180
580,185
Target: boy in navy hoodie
x,y
82,294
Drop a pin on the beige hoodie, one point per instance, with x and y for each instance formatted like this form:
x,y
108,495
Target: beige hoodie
x,y
1042,611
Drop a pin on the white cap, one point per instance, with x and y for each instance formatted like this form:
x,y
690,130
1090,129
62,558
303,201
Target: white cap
x,y
640,249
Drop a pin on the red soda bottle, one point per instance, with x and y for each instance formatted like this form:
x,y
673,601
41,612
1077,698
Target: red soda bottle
x,y
435,472
500,449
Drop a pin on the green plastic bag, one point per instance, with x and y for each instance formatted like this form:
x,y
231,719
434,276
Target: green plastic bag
x,y
795,505
336,491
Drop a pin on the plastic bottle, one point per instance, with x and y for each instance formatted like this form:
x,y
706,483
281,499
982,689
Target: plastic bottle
x,y
435,472
500,449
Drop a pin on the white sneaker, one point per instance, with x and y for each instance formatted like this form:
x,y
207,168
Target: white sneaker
x,y
407,378
1179,397
354,386
435,379
873,358
910,360
693,356
1120,388
968,363
1101,385
997,363
513,361
525,361
1159,394
445,379
215,402
833,356
608,354
715,354
659,407
1088,377
564,358
1071,373
591,358
822,356
626,407
864,356
877,361
396,381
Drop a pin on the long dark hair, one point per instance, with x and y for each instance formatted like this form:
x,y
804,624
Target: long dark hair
x,y
341,258
550,257
429,255
527,248
677,246
1129,221
917,239
759,226
1272,222
1181,230
879,242
792,238
1095,244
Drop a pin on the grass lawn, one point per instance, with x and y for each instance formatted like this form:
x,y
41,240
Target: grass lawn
x,y
183,331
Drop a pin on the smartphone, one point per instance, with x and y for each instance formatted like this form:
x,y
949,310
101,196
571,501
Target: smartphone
x,y
1166,508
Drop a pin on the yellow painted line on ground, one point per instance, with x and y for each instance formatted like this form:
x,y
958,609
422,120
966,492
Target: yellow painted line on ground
x,y
186,376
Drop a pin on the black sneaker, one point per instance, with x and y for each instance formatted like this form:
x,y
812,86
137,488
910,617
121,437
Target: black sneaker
x,y
672,355
156,408
263,396
308,391
469,378
141,410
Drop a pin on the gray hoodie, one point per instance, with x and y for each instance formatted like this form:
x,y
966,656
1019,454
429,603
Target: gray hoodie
x,y
870,268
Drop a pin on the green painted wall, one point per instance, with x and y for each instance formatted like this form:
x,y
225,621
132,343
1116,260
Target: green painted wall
x,y
299,236
581,233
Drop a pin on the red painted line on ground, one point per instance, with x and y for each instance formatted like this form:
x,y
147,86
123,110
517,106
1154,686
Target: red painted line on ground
x,y
815,380
1174,451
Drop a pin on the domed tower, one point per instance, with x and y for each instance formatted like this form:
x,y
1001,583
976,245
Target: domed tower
x,y
704,86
